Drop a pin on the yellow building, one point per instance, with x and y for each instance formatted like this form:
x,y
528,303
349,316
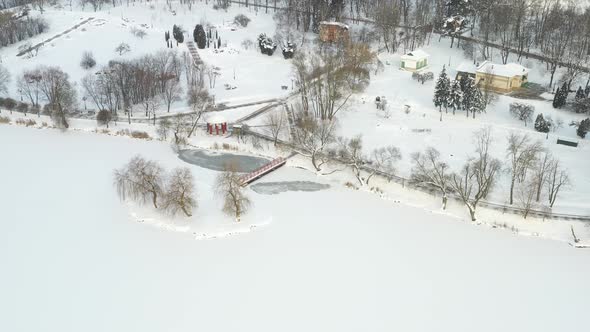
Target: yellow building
x,y
496,77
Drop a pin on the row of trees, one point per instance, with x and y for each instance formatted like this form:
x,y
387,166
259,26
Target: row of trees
x,y
144,81
146,181
15,30
533,172
458,95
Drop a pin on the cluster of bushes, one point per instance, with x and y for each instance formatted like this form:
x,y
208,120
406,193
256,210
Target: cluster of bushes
x,y
13,105
289,50
4,120
134,134
422,77
242,20
26,122
13,30
266,44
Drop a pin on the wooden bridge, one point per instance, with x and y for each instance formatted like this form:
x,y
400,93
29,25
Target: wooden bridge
x,y
262,171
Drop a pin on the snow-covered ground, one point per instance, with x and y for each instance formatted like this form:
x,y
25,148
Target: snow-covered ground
x,y
414,131
75,259
238,67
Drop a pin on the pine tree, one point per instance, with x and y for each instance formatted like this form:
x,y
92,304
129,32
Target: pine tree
x,y
455,96
587,91
556,98
200,36
468,95
541,125
219,43
479,104
442,91
583,128
580,94
563,95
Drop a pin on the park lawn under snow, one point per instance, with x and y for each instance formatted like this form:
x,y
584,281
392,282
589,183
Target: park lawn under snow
x,y
238,67
74,259
453,136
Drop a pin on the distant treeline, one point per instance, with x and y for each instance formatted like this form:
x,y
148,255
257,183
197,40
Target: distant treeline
x,y
6,4
15,30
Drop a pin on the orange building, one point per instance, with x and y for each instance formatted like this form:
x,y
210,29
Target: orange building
x,y
333,31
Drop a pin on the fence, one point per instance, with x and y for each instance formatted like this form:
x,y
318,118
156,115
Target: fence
x,y
409,184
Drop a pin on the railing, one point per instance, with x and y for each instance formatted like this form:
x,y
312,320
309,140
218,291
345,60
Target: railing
x,y
276,163
407,183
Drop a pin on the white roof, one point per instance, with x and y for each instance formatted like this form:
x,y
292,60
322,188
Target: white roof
x,y
416,54
216,119
342,25
467,67
507,70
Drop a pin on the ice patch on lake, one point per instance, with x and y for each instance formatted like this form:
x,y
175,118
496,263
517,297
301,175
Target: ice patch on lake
x,y
217,161
273,188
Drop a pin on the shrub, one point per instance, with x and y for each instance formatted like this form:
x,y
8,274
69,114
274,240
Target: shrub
x,y
423,77
140,134
242,20
247,44
4,120
266,44
139,33
87,61
350,185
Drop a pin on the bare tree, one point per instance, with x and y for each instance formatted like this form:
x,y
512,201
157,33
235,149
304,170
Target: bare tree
x,y
141,180
351,154
430,171
28,84
275,122
59,93
521,153
383,160
164,128
478,175
180,128
123,48
4,80
540,170
229,187
558,178
172,91
526,196
313,136
180,192
200,101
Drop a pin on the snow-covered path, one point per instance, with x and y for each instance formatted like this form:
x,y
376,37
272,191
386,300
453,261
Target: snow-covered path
x,y
331,260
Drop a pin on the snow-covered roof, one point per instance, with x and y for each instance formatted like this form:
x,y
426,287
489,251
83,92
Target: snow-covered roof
x,y
416,54
507,70
216,119
342,25
467,67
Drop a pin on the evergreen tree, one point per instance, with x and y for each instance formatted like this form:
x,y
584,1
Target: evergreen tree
x,y
563,96
580,94
468,87
556,98
583,128
442,90
200,36
541,125
587,91
219,43
455,96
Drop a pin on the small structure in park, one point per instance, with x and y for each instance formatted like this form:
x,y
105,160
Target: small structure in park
x,y
333,32
216,125
496,77
414,61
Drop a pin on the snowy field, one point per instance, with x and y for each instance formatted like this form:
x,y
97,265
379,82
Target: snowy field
x,y
420,128
75,259
111,26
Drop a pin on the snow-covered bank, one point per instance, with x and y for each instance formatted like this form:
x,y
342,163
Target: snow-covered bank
x,y
331,260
